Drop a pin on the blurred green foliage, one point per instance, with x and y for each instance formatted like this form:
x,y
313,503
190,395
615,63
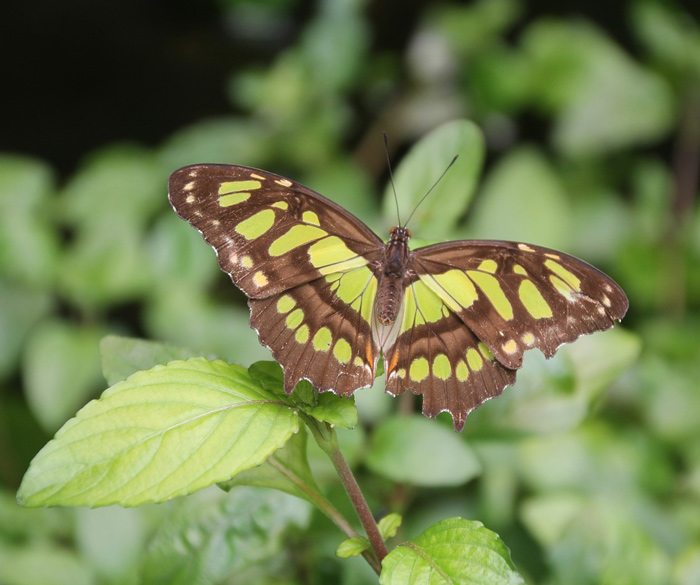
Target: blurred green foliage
x,y
589,468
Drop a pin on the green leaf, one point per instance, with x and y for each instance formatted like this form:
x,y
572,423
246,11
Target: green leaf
x,y
179,256
389,525
28,235
286,470
166,432
423,165
453,551
352,547
525,184
216,139
20,310
61,370
605,100
215,537
112,539
117,186
404,449
123,356
42,564
186,315
335,410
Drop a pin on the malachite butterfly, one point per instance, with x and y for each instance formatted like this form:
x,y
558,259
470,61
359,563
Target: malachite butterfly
x,y
328,297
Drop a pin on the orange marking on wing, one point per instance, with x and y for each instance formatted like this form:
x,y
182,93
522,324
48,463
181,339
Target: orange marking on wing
x,y
394,361
368,353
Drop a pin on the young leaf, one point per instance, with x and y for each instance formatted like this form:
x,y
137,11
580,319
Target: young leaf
x,y
424,164
403,449
389,525
162,433
450,552
352,547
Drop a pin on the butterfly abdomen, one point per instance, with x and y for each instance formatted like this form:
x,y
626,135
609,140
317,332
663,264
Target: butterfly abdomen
x,y
388,299
392,279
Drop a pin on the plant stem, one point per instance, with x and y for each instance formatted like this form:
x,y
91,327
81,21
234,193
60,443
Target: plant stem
x,y
325,506
326,438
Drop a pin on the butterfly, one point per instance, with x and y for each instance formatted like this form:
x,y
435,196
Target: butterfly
x,y
327,296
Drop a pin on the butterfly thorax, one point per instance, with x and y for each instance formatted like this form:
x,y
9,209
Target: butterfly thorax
x,y
392,276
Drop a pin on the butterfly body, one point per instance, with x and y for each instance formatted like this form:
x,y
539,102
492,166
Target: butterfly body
x,y
393,276
329,298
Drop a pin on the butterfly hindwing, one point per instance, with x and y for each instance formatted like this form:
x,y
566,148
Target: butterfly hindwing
x,y
436,356
320,333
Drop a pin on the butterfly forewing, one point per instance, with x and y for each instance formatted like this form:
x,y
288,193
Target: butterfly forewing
x,y
270,234
516,296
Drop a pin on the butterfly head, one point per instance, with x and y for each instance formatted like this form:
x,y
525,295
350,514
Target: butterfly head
x,y
400,234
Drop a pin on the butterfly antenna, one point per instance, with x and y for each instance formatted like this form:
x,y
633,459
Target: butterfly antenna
x,y
391,177
431,188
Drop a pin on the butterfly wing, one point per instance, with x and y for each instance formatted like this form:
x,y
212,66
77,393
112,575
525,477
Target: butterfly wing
x,y
509,297
305,263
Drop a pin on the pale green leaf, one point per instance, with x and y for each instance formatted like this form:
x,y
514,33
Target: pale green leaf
x,y
188,317
421,168
116,186
404,449
389,525
106,265
453,551
112,540
222,139
605,101
61,368
42,564
28,235
20,310
352,547
159,434
524,201
123,356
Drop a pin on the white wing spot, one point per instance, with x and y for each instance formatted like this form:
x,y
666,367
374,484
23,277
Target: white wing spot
x,y
510,346
284,182
215,222
526,248
190,199
606,301
189,186
259,279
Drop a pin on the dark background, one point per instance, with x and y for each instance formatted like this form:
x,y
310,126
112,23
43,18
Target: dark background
x,y
77,75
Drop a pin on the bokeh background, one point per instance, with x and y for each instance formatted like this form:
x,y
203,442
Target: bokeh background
x,y
589,468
